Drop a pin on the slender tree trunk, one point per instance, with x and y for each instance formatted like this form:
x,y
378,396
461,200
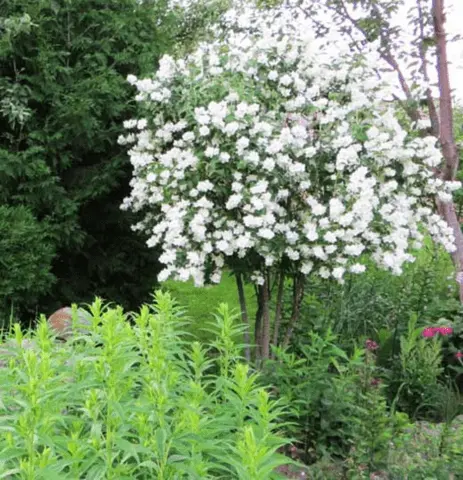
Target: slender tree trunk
x,y
447,211
278,310
442,121
298,294
258,326
244,316
265,340
446,136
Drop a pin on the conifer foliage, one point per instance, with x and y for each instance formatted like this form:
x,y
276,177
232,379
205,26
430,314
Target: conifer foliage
x,y
63,98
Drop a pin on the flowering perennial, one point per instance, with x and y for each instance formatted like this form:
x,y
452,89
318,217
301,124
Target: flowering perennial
x,y
430,332
269,144
371,345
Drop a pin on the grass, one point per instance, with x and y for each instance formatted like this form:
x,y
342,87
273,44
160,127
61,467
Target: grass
x,y
202,302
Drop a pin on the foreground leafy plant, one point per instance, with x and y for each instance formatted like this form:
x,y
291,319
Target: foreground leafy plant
x,y
134,401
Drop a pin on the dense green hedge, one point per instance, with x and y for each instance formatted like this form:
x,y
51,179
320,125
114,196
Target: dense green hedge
x,y
63,99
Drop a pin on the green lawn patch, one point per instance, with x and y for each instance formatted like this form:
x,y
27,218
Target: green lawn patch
x,y
202,302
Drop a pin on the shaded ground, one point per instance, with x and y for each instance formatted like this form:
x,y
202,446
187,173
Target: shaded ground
x,y
423,446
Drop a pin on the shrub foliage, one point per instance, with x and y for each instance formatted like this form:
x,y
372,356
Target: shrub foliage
x,y
135,401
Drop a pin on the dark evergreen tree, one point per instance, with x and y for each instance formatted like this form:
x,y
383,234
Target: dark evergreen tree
x,y
63,99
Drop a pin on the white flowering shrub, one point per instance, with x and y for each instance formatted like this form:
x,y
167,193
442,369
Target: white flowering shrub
x,y
273,146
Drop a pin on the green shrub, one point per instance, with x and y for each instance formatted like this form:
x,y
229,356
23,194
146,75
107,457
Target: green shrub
x,y
344,425
135,401
63,100
414,377
26,257
339,408
376,300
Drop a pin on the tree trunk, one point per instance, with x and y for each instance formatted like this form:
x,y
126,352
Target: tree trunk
x,y
447,211
244,316
446,136
265,340
258,326
278,310
442,122
298,294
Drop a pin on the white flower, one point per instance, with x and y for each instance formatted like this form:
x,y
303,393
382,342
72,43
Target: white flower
x,y
268,164
233,201
336,208
310,231
338,272
142,124
231,128
224,157
266,233
130,124
330,237
205,186
318,209
354,250
242,144
273,75
292,254
357,268
295,183
204,131
211,152
216,277
237,187
285,80
324,272
292,237
132,79
275,147
306,268
260,187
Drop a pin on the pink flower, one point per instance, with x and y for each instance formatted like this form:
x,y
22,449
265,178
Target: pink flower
x,y
429,332
371,345
459,355
375,382
445,330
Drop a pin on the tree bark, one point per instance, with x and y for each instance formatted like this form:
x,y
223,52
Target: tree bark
x,y
244,316
447,140
298,294
258,326
442,122
278,310
446,136
265,340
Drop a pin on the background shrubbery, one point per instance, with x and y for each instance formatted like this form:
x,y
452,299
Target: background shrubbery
x,y
63,99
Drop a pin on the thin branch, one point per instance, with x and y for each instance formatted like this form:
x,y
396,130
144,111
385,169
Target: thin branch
x,y
433,116
244,315
278,309
265,341
298,294
389,58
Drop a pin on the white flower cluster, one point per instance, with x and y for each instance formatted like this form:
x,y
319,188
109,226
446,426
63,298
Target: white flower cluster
x,y
273,145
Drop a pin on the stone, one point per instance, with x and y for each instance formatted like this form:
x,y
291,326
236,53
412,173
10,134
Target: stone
x,y
61,322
